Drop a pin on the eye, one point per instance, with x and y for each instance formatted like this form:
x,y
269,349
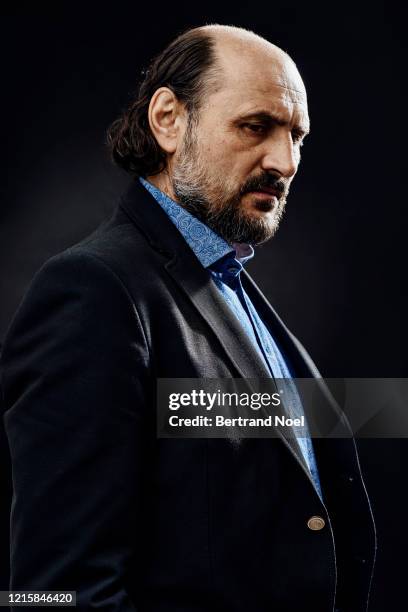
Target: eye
x,y
298,137
255,128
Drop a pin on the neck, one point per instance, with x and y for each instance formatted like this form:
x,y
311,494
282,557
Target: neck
x,y
162,181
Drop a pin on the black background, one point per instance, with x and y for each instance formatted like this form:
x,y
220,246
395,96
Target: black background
x,y
336,269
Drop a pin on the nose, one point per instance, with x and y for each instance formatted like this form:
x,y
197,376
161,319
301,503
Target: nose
x,y
280,154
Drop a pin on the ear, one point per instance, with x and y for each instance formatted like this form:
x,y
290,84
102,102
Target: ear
x,y
166,119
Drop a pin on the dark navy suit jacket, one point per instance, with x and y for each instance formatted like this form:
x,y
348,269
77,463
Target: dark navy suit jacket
x,y
135,523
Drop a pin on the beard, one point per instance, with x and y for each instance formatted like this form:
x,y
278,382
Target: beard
x,y
210,197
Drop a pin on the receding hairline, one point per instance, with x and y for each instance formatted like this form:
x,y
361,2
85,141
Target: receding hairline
x,y
233,40
220,34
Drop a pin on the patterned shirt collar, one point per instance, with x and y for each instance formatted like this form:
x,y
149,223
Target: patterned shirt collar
x,y
206,244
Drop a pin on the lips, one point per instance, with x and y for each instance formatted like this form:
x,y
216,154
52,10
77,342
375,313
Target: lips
x,y
266,193
270,191
264,201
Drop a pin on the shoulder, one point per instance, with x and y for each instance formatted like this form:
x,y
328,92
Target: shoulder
x,y
102,261
77,274
76,311
74,294
117,242
118,246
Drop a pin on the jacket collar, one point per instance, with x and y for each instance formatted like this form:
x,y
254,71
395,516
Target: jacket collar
x,y
205,244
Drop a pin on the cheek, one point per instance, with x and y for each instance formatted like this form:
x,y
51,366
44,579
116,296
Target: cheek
x,y
227,155
216,148
224,154
217,142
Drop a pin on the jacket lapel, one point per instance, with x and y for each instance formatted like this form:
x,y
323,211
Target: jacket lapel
x,y
196,283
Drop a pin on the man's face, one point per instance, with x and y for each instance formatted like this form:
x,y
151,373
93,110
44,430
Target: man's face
x,y
239,156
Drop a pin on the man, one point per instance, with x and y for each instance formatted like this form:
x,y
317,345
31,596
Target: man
x,y
103,507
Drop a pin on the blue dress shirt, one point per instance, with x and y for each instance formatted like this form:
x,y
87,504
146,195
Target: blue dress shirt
x,y
225,262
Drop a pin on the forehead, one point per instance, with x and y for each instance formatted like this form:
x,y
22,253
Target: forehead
x,y
261,77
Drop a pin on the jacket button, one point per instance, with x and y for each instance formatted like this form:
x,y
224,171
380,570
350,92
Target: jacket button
x,y
316,523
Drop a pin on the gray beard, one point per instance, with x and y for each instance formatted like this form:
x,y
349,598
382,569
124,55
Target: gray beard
x,y
224,216
228,220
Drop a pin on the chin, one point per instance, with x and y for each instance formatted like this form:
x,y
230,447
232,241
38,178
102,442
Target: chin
x,y
267,217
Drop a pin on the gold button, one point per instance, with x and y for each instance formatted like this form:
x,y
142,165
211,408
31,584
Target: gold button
x,y
316,523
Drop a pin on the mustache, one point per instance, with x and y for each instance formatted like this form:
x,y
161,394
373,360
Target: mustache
x,y
266,180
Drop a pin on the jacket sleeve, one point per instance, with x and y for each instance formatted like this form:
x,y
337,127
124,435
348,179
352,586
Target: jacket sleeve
x,y
75,382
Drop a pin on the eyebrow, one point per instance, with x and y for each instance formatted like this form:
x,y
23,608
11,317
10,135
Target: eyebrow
x,y
269,119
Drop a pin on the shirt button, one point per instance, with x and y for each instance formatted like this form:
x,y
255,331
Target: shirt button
x,y
316,523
